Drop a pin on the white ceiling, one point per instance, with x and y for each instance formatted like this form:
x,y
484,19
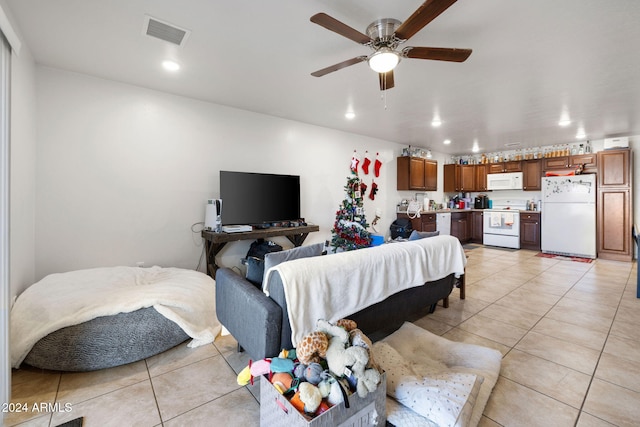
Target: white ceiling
x,y
531,61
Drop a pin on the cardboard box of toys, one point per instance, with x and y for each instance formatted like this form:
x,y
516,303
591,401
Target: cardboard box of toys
x,y
330,379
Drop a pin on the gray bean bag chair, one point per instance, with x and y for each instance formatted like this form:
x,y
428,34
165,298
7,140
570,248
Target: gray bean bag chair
x,y
105,342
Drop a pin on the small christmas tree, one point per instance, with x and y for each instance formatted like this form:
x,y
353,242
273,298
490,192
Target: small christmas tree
x,y
350,229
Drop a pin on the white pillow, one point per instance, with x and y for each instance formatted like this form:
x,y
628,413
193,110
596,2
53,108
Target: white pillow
x,y
445,398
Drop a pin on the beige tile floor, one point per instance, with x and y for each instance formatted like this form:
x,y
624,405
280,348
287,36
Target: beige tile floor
x,y
569,334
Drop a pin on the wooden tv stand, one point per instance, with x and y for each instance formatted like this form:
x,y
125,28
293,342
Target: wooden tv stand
x,y
214,242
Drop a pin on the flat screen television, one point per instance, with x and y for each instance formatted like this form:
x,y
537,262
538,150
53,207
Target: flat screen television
x,y
259,199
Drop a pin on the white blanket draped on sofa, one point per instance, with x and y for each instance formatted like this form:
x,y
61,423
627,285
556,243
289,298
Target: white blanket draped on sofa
x,y
185,297
334,286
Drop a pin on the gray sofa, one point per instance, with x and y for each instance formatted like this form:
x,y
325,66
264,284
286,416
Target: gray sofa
x,y
260,323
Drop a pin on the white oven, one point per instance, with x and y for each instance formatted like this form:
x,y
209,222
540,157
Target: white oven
x,y
501,225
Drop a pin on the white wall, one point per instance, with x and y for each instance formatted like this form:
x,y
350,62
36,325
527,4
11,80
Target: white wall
x,y
123,172
23,172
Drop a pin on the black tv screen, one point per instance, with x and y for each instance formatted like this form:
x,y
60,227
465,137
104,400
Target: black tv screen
x,y
259,198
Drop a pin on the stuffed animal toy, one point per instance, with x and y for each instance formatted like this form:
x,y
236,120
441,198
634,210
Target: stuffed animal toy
x,y
313,373
298,370
340,357
282,382
359,339
312,348
310,396
330,389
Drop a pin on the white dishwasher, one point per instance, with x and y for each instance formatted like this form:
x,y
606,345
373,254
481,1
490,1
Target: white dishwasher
x,y
443,223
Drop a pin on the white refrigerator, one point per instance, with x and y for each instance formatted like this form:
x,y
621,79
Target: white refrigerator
x,y
569,215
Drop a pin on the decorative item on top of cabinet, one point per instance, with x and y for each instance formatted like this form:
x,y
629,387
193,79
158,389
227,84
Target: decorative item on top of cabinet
x,y
532,175
614,205
416,173
530,230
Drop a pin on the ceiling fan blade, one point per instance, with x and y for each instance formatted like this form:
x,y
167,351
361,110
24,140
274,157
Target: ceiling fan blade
x,y
386,80
336,26
437,53
426,13
339,66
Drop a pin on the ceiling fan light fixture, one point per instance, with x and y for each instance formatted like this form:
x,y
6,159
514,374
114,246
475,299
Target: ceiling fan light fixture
x,y
383,60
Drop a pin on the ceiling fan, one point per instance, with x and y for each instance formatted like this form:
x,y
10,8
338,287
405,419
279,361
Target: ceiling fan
x,y
385,35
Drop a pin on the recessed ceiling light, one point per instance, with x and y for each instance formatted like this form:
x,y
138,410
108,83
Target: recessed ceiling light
x,y
581,134
446,142
170,65
436,123
475,147
564,122
350,115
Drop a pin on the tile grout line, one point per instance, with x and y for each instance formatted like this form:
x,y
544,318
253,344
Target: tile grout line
x,y
153,390
595,369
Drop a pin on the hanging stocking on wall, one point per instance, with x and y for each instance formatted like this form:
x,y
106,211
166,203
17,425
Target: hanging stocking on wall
x,y
354,163
376,166
366,163
363,188
374,190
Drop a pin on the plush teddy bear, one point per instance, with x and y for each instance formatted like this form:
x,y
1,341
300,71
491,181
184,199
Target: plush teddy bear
x,y
339,357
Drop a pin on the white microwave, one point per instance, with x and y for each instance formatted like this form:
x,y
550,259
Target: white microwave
x,y
504,181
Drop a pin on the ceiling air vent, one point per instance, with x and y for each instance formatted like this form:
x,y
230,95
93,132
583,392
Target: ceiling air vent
x,y
165,31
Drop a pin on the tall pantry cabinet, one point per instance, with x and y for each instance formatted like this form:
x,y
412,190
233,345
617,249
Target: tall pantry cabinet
x,y
614,219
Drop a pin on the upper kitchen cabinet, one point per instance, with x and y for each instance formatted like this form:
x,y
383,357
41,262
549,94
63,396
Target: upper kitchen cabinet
x,y
501,167
589,161
431,175
481,177
550,163
614,168
416,173
459,178
532,175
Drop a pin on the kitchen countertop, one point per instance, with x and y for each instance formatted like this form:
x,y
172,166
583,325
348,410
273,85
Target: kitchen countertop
x,y
423,212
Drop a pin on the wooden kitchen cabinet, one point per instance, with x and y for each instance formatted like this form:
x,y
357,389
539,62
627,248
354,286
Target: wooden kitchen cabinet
x,y
530,230
589,161
481,177
496,167
425,222
459,178
430,175
614,168
510,166
460,226
513,166
614,205
532,175
416,173
551,163
477,226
